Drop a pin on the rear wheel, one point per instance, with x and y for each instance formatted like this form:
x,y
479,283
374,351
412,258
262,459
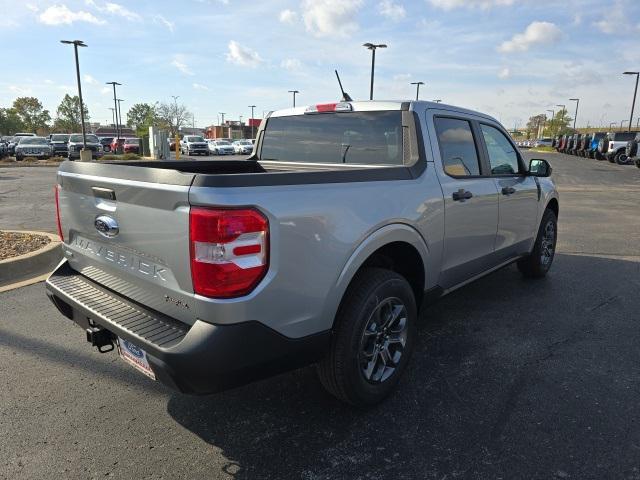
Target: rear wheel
x,y
621,158
372,340
538,262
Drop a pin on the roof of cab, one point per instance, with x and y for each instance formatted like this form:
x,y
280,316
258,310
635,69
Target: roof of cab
x,y
378,105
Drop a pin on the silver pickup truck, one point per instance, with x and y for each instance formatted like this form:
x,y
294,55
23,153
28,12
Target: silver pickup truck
x,y
318,249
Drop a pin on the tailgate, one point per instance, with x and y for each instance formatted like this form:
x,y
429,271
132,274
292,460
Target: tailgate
x,y
127,228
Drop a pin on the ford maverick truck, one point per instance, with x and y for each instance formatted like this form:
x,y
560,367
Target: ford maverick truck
x,y
318,249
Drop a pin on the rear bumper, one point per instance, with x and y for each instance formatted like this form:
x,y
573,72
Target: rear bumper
x,y
197,359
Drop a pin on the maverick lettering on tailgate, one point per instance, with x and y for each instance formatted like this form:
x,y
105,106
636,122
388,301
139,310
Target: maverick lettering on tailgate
x,y
122,260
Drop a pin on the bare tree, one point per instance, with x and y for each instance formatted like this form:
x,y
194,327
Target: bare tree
x,y
172,116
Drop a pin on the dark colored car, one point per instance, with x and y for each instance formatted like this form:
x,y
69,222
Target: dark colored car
x,y
592,145
59,144
131,145
631,150
584,142
106,143
568,146
576,143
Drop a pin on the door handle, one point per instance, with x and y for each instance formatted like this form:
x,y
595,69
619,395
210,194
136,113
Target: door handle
x,y
508,190
461,195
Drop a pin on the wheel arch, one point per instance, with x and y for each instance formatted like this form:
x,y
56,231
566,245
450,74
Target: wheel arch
x,y
554,206
398,247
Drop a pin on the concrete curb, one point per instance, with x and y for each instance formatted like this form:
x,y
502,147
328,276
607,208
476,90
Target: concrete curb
x,y
30,267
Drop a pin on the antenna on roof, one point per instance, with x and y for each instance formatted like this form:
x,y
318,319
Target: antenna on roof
x,y
345,95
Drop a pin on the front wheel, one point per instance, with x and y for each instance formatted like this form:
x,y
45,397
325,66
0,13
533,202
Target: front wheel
x,y
373,337
538,262
621,159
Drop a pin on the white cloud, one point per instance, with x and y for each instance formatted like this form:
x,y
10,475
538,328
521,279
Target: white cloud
x,y
105,90
19,90
614,21
32,7
291,64
391,10
115,9
483,4
537,33
48,81
163,21
331,17
199,86
179,62
402,77
60,14
288,16
243,56
90,80
504,73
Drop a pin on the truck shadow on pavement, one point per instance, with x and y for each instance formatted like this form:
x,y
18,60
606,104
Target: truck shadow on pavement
x,y
511,377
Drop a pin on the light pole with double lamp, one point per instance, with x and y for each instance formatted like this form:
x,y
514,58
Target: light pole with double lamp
x,y
115,104
76,44
553,117
417,84
373,47
635,92
575,117
295,92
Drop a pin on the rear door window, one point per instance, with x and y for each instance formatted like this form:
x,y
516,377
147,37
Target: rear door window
x,y
457,147
374,138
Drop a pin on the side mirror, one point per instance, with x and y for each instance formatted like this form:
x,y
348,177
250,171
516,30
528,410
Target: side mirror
x,y
539,168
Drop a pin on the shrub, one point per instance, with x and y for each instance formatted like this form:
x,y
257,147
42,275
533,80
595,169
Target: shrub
x,y
29,159
57,159
131,156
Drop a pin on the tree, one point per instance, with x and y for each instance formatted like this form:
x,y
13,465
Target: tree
x,y
31,113
140,117
559,125
10,122
68,115
172,116
534,124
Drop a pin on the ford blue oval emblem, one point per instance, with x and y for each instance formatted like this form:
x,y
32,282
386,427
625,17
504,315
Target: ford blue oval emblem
x,y
136,351
106,226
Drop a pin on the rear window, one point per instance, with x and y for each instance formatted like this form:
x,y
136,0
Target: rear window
x,y
33,141
353,138
132,141
59,138
195,139
624,136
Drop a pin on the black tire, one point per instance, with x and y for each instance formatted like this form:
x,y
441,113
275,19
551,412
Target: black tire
x,y
538,262
374,293
621,158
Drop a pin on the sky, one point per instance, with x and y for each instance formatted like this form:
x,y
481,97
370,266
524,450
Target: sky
x,y
509,58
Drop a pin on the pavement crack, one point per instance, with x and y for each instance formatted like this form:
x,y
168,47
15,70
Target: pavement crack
x,y
604,302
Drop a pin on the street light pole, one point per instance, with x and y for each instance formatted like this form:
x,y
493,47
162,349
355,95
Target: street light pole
x,y
120,114
115,104
373,47
417,84
294,96
76,44
635,92
222,123
253,135
575,117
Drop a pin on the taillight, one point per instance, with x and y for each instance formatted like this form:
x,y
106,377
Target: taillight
x,y
229,250
57,195
329,107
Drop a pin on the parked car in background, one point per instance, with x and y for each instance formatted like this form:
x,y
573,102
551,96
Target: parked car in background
x,y
632,149
37,147
172,144
117,144
11,146
582,144
76,144
221,147
106,143
592,143
59,144
617,145
131,145
3,148
542,142
194,145
242,147
569,145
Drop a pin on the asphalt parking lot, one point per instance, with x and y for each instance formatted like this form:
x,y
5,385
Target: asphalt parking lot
x,y
511,379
